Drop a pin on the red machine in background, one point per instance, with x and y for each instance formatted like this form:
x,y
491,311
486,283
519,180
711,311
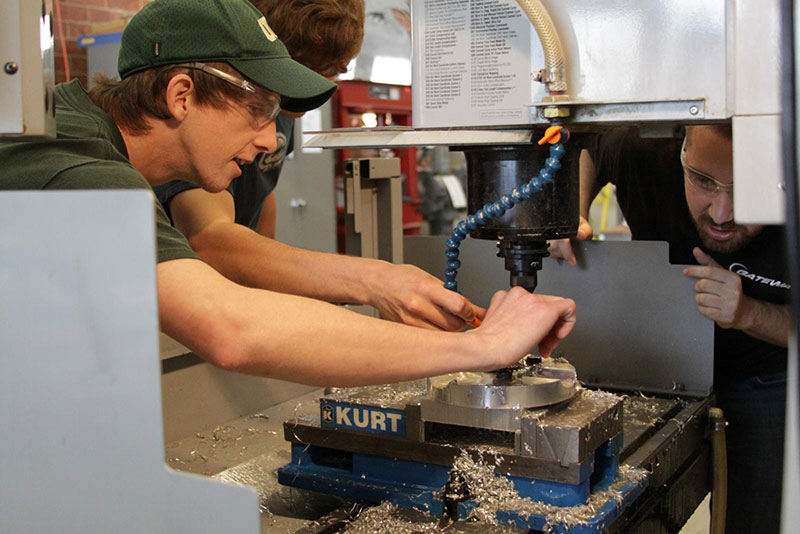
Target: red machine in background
x,y
365,104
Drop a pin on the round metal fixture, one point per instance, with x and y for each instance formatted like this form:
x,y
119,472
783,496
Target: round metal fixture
x,y
524,386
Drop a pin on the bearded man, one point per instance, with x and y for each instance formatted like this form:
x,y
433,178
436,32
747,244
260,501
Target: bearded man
x,y
682,192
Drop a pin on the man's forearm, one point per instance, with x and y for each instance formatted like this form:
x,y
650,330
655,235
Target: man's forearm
x,y
768,322
304,340
343,348
250,259
268,217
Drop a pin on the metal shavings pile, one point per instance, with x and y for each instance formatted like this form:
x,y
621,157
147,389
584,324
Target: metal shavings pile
x,y
254,475
535,414
645,412
488,449
489,492
306,408
599,395
221,438
583,406
304,413
260,474
383,519
631,474
680,424
492,494
575,515
386,395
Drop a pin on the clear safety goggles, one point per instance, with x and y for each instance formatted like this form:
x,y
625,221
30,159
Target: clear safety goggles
x,y
235,80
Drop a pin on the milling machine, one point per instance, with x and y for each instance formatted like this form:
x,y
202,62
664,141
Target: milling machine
x,y
713,61
551,213
573,459
559,445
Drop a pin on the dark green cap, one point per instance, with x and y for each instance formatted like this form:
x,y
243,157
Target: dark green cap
x,y
165,32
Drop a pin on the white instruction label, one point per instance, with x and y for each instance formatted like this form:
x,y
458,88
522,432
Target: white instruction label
x,y
474,63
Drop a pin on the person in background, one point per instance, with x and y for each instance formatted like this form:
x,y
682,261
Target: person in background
x,y
681,191
201,86
437,206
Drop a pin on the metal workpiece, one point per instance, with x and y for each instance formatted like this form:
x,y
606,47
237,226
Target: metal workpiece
x,y
533,386
497,401
570,432
505,419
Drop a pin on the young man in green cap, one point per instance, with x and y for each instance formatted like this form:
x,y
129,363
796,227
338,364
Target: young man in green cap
x,y
233,230
201,86
323,35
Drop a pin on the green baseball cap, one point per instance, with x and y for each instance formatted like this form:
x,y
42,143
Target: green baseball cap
x,y
165,32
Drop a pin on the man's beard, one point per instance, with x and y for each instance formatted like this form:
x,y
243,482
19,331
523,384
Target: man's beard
x,y
743,235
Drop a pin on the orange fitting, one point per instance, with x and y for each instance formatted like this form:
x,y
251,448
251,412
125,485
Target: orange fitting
x,y
476,322
553,135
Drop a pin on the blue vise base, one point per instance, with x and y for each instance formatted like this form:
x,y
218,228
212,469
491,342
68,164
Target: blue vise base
x,y
375,453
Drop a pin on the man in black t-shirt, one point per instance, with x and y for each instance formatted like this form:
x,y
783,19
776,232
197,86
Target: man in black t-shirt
x,y
682,192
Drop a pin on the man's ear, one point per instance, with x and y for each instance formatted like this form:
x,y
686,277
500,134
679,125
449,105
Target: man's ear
x,y
179,96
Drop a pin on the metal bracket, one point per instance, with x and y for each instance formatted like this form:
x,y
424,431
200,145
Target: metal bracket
x,y
373,208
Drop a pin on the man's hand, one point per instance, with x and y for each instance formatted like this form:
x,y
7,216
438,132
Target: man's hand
x,y
721,299
562,248
409,295
518,321
719,293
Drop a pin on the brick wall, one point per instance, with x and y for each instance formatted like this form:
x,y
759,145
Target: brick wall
x,y
78,16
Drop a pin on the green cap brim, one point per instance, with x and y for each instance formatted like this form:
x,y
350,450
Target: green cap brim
x,y
301,88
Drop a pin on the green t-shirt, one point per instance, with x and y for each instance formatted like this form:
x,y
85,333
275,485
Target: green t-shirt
x,y
88,153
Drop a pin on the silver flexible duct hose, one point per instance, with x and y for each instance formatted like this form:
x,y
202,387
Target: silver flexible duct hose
x,y
554,74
